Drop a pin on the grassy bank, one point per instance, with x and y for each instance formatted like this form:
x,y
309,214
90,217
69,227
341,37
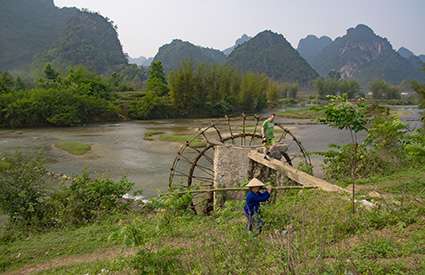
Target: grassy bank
x,y
306,113
306,232
74,148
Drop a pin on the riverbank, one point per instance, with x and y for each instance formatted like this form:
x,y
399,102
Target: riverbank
x,y
389,239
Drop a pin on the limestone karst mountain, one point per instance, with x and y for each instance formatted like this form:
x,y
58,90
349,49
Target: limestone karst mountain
x,y
173,54
271,53
362,55
66,36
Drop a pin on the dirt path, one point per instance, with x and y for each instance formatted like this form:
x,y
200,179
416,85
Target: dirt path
x,y
102,255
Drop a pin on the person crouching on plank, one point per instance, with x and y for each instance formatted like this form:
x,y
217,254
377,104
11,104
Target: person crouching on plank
x,y
252,206
267,132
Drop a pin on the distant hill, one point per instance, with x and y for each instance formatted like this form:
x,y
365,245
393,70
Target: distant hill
x,y
411,57
364,56
244,38
271,54
311,46
141,61
422,57
37,30
173,54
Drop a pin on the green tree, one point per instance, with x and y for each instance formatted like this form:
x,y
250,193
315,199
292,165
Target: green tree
x,y
342,114
157,81
382,90
7,83
334,86
273,95
420,90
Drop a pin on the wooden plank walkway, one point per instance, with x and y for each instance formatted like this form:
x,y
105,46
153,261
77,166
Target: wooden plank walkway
x,y
296,175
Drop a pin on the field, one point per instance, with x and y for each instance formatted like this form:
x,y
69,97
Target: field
x,y
306,232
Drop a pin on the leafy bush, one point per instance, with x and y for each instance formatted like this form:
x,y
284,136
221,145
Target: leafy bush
x,y
151,106
414,147
174,202
23,194
25,198
338,161
88,199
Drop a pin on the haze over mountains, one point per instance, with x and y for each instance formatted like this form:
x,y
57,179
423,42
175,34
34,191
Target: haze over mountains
x,y
361,55
69,36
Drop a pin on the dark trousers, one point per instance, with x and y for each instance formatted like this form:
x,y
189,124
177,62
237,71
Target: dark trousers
x,y
254,222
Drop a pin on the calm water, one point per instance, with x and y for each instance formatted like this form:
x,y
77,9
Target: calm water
x,y
119,149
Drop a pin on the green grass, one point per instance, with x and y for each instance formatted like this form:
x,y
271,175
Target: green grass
x,y
299,114
74,148
198,142
150,135
4,165
325,238
16,251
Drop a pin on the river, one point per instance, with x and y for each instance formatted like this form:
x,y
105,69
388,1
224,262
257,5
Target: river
x,y
119,149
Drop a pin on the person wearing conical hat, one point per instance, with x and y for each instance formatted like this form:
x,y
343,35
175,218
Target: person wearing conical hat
x,y
252,206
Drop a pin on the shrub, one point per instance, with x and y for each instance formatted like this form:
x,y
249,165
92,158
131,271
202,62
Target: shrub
x,y
414,147
150,106
88,199
338,161
23,193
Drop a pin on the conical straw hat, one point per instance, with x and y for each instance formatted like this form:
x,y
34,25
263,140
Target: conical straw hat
x,y
255,183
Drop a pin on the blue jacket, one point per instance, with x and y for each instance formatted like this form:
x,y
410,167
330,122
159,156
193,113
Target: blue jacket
x,y
253,201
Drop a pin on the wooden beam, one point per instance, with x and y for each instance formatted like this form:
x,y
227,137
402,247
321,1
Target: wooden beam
x,y
296,175
241,189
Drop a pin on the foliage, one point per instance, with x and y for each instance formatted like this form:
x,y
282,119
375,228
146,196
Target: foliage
x,y
420,90
174,202
211,90
157,82
7,82
25,196
343,114
76,98
88,199
23,193
128,78
386,135
338,162
382,90
151,106
333,86
414,147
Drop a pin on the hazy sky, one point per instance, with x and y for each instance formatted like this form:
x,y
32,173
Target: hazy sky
x,y
145,25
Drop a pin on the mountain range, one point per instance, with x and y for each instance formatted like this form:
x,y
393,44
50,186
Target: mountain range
x,y
244,38
36,31
141,61
311,46
361,55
